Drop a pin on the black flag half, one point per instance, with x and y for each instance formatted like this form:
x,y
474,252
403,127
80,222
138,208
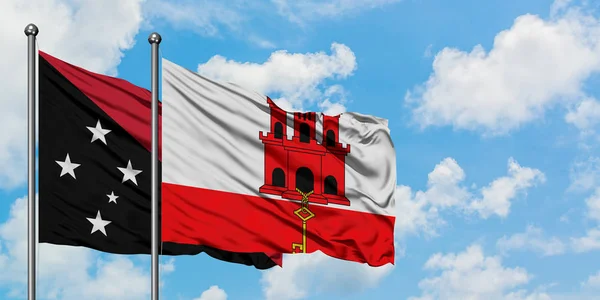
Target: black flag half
x,y
94,165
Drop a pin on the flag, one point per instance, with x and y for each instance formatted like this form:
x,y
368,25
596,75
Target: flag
x,y
242,174
94,165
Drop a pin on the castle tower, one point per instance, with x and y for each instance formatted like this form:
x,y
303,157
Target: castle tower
x,y
334,162
275,155
305,128
303,163
331,130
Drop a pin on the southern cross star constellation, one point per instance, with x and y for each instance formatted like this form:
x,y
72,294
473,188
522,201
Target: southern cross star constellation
x,y
129,173
98,133
98,224
67,167
112,197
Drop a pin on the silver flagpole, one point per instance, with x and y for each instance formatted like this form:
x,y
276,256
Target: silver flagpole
x,y
154,40
31,32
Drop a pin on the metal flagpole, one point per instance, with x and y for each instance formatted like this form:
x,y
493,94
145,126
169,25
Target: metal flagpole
x,y
154,40
31,32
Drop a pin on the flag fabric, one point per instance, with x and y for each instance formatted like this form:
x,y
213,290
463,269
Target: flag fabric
x,y
94,165
242,174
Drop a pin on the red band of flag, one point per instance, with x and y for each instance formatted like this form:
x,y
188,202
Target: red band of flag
x,y
246,223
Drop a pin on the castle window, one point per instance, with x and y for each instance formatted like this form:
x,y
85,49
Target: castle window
x,y
278,130
330,138
304,133
330,185
305,180
278,177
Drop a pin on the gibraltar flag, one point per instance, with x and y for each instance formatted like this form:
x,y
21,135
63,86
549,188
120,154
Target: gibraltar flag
x,y
241,174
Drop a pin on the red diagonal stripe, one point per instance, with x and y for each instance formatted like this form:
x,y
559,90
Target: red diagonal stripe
x,y
126,103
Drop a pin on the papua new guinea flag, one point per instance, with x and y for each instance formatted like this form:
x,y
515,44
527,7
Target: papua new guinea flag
x,y
94,165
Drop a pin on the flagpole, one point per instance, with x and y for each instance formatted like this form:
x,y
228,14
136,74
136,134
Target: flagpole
x,y
154,39
31,32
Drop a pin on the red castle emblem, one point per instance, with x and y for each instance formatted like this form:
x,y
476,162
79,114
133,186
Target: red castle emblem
x,y
303,163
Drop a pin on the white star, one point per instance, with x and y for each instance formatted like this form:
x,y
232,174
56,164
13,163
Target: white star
x,y
112,197
98,132
99,224
129,173
67,166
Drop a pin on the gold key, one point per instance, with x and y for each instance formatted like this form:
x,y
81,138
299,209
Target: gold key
x,y
304,214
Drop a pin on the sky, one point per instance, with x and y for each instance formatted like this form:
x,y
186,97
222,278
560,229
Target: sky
x,y
493,110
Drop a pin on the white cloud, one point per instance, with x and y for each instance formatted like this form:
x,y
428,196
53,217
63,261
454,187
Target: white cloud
x,y
415,214
298,78
72,30
445,190
330,108
592,282
565,217
498,91
301,11
585,175
167,267
213,293
559,6
593,206
204,17
486,276
585,116
66,272
420,212
215,18
496,196
532,239
524,295
443,185
304,274
261,42
589,242
118,278
335,99
428,51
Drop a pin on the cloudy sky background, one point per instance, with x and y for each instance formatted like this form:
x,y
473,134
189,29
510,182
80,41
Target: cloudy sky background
x,y
492,106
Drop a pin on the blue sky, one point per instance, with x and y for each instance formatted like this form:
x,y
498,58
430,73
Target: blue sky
x,y
492,108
